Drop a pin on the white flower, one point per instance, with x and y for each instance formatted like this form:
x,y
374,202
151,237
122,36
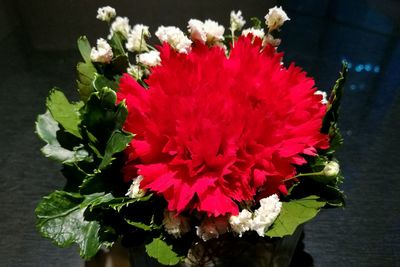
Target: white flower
x,y
106,13
331,169
275,18
174,224
324,99
196,30
212,228
150,59
266,214
103,53
135,71
214,31
134,190
255,32
136,38
121,25
269,39
242,222
237,21
174,37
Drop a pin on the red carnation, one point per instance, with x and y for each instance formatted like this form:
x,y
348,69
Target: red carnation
x,y
213,130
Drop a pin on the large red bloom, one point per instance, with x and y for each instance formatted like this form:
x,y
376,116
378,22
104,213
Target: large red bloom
x,y
213,130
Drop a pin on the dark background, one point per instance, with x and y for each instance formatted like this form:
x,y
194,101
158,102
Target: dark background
x,y
37,50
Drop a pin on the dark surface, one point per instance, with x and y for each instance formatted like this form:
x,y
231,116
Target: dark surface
x,y
319,36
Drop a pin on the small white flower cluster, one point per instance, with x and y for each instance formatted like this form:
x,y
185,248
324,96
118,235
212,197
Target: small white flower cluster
x,y
136,38
175,225
255,32
209,31
134,190
324,99
174,37
135,71
103,53
275,18
106,13
212,228
150,59
120,25
262,218
237,21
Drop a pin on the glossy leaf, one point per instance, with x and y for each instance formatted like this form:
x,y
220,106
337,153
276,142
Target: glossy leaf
x,y
293,214
117,143
60,218
46,128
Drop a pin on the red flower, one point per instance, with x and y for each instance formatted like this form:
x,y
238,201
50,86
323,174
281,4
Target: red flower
x,y
212,131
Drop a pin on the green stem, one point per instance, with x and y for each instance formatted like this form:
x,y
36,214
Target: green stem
x,y
304,174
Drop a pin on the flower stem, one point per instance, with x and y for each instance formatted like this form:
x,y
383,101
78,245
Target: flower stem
x,y
303,175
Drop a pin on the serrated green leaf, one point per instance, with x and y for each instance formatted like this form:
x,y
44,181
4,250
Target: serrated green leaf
x,y
84,48
86,72
332,113
63,112
46,128
162,252
293,214
60,218
117,143
139,225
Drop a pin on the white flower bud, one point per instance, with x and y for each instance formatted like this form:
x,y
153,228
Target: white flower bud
x,y
331,169
175,225
242,222
150,59
136,38
103,53
275,18
174,37
121,25
134,190
237,21
324,99
266,214
106,13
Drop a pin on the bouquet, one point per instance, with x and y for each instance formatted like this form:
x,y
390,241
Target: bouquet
x,y
186,147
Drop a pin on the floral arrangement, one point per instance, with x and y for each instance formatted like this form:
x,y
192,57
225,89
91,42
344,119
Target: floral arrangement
x,y
204,137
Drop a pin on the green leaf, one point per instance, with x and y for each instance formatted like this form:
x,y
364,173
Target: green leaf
x,y
46,128
63,112
117,143
256,22
60,218
139,225
162,252
116,44
293,214
100,82
332,113
84,48
86,72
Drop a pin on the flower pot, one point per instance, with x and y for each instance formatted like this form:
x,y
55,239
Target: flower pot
x,y
230,251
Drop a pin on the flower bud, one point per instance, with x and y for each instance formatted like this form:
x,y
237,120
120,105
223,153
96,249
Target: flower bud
x,y
331,169
275,18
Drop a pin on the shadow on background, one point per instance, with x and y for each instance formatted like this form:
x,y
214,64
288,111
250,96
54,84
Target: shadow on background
x,y
37,40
